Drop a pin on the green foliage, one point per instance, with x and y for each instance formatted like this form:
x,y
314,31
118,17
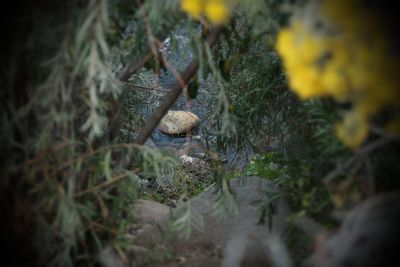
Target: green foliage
x,y
76,197
269,208
264,166
308,152
185,219
254,101
225,206
69,187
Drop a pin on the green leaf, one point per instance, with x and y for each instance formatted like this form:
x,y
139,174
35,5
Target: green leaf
x,y
106,165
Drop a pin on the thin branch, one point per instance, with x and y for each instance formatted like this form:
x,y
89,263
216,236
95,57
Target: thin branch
x,y
97,151
359,154
156,47
150,35
152,89
105,184
175,73
374,145
133,66
169,66
146,88
338,170
382,132
369,176
40,155
174,93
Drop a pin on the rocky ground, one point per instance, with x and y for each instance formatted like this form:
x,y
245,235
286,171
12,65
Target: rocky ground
x,y
233,240
368,236
219,242
238,239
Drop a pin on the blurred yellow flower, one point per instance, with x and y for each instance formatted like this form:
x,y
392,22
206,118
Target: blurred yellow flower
x,y
305,81
334,81
217,11
353,130
304,76
347,57
193,7
285,47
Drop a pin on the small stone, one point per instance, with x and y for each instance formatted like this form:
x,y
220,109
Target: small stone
x,y
187,159
178,122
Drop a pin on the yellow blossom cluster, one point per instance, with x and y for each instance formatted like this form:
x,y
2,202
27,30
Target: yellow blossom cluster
x,y
217,11
347,56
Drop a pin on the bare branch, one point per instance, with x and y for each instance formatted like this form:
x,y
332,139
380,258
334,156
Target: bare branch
x,y
174,93
105,184
133,66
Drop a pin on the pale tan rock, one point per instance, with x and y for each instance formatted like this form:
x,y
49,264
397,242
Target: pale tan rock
x,y
178,122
